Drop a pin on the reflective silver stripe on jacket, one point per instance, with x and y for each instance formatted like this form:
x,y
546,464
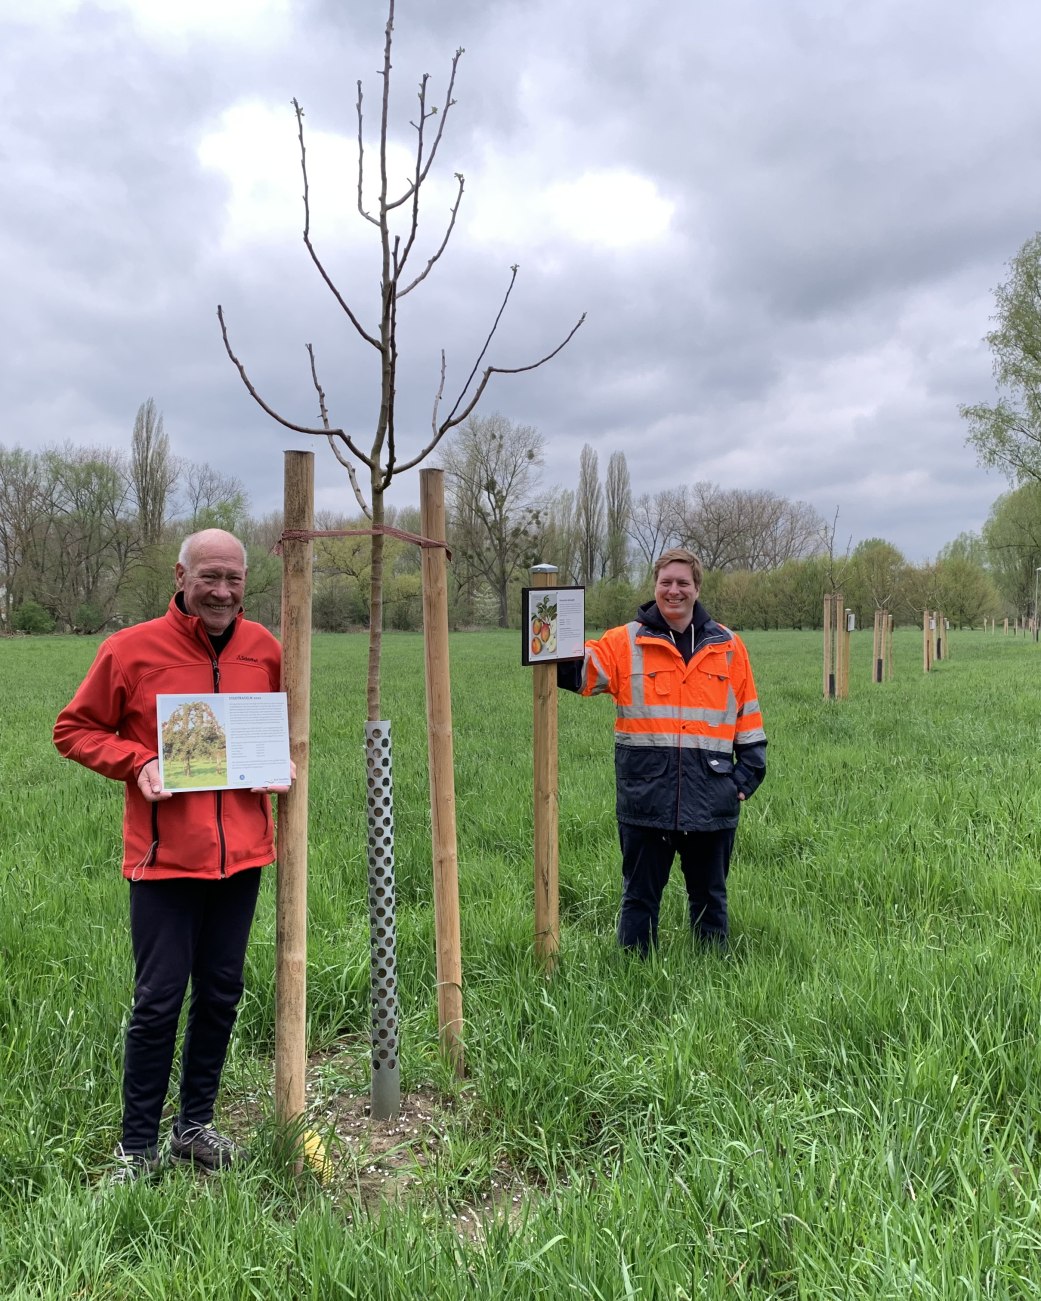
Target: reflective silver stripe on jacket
x,y
641,709
673,741
600,678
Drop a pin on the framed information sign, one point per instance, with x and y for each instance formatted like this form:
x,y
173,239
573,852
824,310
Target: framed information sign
x,y
227,741
553,624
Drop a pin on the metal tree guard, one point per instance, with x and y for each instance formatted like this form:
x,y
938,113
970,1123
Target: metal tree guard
x,y
386,1069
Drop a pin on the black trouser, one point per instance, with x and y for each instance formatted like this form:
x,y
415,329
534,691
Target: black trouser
x,y
182,930
647,855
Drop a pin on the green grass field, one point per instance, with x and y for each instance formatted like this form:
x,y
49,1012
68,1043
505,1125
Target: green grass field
x,y
846,1107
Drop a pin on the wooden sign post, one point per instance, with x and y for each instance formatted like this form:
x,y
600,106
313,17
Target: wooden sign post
x,y
552,631
442,772
547,797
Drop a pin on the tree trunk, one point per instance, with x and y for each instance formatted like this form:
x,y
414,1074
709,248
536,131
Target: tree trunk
x,y
375,609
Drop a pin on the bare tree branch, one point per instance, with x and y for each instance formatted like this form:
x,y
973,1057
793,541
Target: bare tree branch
x,y
444,243
288,424
421,175
509,370
307,235
361,164
456,416
480,356
347,465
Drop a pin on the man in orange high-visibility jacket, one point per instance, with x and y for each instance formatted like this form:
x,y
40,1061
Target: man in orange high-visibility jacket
x,y
689,748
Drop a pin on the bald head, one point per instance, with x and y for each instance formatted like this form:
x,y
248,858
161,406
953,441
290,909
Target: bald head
x,y
206,538
211,572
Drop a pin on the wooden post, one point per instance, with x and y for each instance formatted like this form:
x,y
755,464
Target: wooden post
x,y
878,643
842,659
546,806
291,888
927,642
442,772
832,646
889,646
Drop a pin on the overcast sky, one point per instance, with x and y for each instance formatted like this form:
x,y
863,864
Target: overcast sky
x,y
785,220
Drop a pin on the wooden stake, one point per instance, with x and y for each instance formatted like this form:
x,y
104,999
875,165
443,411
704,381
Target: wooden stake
x,y
845,618
546,806
291,889
877,647
927,643
442,772
832,605
889,646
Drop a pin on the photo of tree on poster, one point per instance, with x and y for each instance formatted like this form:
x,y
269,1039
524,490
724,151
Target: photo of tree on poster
x,y
194,748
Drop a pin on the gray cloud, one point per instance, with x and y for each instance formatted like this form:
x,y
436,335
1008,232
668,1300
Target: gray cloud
x,y
847,184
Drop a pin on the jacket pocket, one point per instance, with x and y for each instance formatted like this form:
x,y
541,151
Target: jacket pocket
x,y
719,788
659,685
645,783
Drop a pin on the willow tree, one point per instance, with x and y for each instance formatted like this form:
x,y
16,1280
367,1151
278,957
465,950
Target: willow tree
x,y
395,223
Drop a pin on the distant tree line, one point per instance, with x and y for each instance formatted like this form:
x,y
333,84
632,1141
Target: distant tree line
x,y
89,537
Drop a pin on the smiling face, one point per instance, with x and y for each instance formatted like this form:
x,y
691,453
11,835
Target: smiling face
x,y
675,592
213,579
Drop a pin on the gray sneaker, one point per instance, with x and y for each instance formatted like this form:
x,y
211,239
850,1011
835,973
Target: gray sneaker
x,y
132,1166
204,1146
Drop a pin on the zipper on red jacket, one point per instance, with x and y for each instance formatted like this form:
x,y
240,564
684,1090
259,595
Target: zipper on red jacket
x,y
220,794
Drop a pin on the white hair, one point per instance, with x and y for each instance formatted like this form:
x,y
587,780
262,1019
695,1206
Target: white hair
x,y
183,556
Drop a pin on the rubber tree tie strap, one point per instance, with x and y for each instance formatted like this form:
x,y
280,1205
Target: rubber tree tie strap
x,y
306,535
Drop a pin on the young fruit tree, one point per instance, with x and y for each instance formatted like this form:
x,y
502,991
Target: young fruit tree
x,y
395,221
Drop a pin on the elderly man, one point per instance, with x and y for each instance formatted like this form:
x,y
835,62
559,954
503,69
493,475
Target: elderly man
x,y
193,860
689,748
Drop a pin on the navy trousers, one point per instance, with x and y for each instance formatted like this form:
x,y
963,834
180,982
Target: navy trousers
x,y
183,930
647,858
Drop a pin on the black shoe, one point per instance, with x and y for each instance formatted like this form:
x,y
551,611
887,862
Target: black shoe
x,y
204,1146
130,1167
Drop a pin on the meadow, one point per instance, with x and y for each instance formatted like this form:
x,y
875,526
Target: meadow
x,y
846,1106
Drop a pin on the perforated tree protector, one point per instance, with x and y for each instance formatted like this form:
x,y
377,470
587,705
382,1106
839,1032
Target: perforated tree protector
x,y
386,1074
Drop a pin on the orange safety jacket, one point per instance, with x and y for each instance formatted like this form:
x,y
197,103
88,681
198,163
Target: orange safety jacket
x,y
688,737
110,727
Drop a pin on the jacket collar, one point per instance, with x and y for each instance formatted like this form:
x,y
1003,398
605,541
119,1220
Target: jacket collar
x,y
192,626
654,621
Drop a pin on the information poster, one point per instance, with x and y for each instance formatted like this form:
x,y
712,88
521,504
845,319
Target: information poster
x,y
553,624
227,741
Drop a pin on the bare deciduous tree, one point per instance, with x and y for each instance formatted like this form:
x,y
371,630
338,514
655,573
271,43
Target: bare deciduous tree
x,y
383,459
491,467
618,502
153,470
212,499
740,528
560,536
589,517
395,219
651,525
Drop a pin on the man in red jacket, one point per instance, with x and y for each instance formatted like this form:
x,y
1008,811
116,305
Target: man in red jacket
x,y
193,860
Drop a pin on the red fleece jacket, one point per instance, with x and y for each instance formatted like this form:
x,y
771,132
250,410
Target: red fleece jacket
x,y
110,727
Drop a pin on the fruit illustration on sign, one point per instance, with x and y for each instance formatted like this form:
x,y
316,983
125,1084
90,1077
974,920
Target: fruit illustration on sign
x,y
544,625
